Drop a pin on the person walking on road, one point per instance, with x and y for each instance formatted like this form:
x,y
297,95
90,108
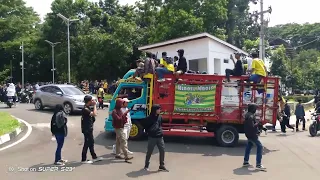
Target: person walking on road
x,y
60,130
87,121
128,125
119,119
300,113
286,118
251,129
153,127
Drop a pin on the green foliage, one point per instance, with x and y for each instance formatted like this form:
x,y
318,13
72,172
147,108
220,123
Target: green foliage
x,y
7,123
4,75
296,98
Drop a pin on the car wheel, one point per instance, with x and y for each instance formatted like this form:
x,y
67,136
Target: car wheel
x,y
38,104
67,107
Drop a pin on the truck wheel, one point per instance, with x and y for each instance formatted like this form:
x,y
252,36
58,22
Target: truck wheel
x,y
227,136
136,131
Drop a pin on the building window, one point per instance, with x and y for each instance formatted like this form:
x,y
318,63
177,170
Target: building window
x,y
226,61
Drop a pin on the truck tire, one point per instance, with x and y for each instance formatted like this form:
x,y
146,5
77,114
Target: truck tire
x,y
136,132
227,136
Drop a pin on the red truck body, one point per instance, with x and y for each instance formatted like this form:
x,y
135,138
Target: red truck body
x,y
230,104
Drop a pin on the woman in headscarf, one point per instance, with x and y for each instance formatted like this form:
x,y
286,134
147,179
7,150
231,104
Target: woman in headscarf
x,y
119,119
60,130
153,127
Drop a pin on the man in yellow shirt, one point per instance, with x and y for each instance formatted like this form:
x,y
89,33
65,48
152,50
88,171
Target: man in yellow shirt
x,y
165,67
100,96
258,69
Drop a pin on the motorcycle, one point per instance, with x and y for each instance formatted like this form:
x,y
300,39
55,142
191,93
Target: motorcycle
x,y
10,102
24,97
315,125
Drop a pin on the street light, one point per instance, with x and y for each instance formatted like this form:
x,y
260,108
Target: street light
x,y
68,22
52,46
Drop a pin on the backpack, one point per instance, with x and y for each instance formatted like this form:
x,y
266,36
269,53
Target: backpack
x,y
54,126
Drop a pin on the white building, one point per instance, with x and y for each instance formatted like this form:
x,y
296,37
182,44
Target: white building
x,y
203,52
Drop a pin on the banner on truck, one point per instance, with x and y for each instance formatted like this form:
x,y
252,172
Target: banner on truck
x,y
194,98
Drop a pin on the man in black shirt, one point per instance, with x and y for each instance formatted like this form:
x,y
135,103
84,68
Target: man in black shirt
x,y
238,67
182,64
87,120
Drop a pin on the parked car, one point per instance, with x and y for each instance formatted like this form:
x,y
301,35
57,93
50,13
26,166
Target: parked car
x,y
70,96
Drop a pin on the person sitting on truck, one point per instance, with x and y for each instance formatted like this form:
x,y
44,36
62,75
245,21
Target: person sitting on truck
x,y
140,69
238,67
182,64
165,67
250,130
258,69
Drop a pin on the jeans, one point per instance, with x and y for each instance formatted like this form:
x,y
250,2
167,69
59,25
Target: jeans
x,y
60,142
248,150
255,78
301,118
88,144
152,142
161,71
228,73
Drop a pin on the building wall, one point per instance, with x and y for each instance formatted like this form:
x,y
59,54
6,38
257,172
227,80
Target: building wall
x,y
193,50
220,52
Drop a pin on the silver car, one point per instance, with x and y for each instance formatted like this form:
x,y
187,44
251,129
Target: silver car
x,y
71,97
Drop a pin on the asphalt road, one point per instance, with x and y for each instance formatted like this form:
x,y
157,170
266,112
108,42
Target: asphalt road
x,y
295,156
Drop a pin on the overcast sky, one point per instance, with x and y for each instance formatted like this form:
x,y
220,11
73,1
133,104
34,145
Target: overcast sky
x,y
284,11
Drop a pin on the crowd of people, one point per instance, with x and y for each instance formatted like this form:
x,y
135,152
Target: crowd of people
x,y
122,125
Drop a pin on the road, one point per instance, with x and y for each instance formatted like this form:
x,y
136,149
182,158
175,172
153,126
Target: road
x,y
295,156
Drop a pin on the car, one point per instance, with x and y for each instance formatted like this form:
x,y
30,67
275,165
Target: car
x,y
69,96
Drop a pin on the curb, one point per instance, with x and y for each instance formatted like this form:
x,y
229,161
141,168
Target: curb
x,y
9,136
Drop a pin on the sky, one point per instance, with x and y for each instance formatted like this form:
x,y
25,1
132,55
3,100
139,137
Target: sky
x,y
283,11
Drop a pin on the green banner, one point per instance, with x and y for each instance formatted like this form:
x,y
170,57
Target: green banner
x,y
194,98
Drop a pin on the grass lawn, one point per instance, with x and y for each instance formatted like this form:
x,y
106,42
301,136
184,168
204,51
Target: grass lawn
x,y
7,123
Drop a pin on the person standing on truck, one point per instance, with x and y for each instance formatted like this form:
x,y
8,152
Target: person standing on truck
x,y
300,113
119,119
87,121
251,132
153,127
258,69
238,67
150,64
166,67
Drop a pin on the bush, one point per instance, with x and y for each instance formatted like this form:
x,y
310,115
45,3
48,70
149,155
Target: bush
x,y
295,98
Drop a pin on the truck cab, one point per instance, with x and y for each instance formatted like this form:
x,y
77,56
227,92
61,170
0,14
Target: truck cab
x,y
138,93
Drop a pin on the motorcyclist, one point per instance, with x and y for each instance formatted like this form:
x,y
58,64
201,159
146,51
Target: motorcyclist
x,y
317,108
11,92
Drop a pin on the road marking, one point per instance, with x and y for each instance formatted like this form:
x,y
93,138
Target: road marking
x,y
23,138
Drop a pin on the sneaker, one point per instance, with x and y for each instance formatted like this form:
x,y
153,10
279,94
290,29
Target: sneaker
x,y
246,164
261,168
118,157
283,133
97,159
128,159
146,168
86,162
59,163
63,160
162,168
129,152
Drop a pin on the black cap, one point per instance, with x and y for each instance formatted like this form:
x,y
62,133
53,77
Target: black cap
x,y
180,51
87,99
164,53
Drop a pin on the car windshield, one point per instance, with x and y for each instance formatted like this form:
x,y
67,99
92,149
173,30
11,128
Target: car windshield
x,y
72,91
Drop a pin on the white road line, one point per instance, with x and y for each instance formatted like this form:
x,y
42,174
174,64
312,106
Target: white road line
x,y
23,138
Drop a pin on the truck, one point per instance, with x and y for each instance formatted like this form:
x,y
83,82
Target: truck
x,y
199,105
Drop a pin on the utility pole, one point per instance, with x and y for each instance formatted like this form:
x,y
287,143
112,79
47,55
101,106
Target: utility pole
x,y
52,46
260,15
22,64
68,21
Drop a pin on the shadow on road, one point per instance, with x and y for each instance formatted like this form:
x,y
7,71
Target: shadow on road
x,y
244,171
193,145
142,172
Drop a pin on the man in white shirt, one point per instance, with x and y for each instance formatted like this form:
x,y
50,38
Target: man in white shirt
x,y
128,125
